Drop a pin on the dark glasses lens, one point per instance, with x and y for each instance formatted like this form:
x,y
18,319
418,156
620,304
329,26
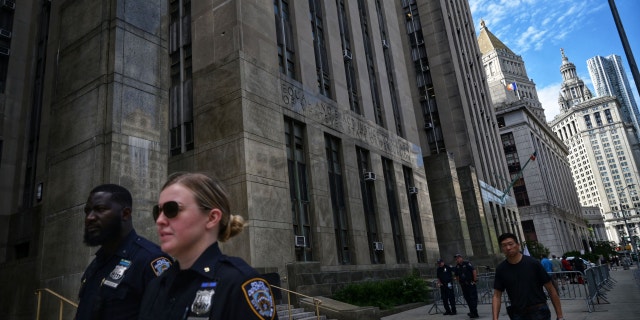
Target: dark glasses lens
x,y
170,210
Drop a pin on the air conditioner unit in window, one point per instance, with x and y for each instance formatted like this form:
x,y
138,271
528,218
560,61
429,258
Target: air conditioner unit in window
x,y
9,4
419,247
4,51
413,190
385,43
5,33
346,54
378,246
420,42
428,125
301,241
424,68
369,176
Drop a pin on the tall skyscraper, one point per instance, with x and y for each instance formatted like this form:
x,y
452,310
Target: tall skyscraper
x,y
347,132
601,155
460,141
609,79
537,159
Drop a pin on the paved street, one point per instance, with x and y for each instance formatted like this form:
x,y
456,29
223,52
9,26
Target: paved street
x,y
623,304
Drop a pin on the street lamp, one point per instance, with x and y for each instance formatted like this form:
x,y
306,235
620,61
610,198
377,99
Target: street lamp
x,y
626,224
633,244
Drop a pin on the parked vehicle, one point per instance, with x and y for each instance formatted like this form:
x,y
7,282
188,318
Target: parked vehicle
x,y
587,264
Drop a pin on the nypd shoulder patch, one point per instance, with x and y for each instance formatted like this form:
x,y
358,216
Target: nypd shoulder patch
x,y
259,297
159,265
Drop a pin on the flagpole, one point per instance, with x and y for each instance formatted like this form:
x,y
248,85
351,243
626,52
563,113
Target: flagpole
x,y
517,177
512,86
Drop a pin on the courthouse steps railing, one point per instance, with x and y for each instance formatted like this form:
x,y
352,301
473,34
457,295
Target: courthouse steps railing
x,y
61,300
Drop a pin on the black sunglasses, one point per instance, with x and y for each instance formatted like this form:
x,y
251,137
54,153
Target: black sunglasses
x,y
170,210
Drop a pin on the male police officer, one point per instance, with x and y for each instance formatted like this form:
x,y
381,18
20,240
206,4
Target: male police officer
x,y
467,277
113,284
445,282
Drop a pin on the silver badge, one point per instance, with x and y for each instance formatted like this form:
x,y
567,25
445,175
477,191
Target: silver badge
x,y
202,303
118,272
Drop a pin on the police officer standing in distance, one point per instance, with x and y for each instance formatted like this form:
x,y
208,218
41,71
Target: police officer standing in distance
x,y
467,277
192,215
113,284
445,283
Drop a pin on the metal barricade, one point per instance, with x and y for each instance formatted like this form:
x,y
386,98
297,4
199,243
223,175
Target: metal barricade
x,y
437,297
484,287
599,281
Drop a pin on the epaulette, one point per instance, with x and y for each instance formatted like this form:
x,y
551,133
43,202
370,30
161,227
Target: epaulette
x,y
239,264
146,244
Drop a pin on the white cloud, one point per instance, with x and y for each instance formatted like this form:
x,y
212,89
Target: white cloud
x,y
548,97
538,23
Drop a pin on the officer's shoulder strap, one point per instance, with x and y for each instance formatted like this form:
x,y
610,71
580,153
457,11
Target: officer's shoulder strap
x,y
239,264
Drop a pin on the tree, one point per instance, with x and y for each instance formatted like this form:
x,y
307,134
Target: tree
x,y
536,249
603,248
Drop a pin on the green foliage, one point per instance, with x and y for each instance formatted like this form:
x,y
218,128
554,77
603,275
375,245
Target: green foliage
x,y
591,257
536,249
385,294
600,248
607,249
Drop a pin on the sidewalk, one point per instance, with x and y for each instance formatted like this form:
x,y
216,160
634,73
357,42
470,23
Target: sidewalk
x,y
623,298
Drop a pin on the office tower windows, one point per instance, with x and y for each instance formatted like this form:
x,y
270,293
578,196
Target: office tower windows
x,y
368,189
6,28
371,68
414,212
609,79
284,38
338,201
394,210
319,48
349,70
181,91
298,187
424,81
388,64
513,163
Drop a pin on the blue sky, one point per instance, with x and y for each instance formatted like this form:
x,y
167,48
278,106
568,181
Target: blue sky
x,y
537,29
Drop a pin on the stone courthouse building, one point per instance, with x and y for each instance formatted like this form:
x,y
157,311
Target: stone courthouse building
x,y
544,189
356,137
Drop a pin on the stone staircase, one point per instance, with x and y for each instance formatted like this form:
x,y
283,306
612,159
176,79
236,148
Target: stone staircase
x,y
296,313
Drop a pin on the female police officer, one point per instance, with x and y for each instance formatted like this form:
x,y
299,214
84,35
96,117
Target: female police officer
x,y
192,216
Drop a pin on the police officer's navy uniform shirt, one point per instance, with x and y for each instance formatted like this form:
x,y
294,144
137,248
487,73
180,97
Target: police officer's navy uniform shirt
x,y
464,271
216,287
112,285
445,274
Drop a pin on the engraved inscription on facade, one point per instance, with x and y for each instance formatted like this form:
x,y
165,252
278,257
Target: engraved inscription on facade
x,y
295,99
